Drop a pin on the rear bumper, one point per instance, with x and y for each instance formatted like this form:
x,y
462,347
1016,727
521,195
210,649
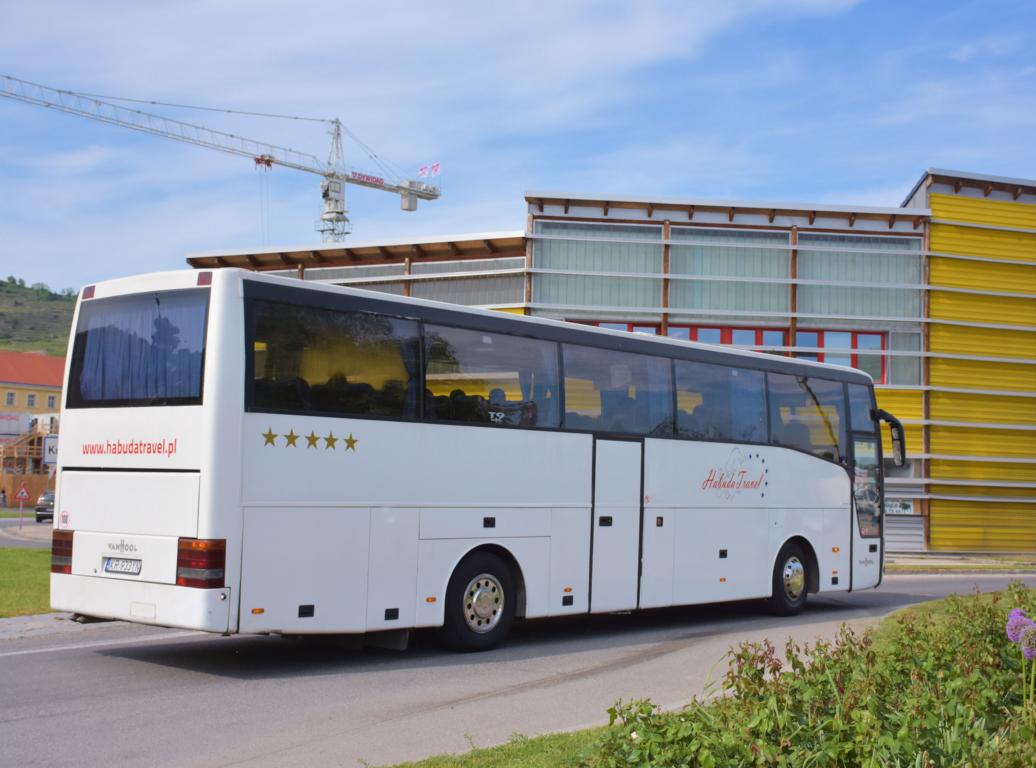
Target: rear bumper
x,y
163,605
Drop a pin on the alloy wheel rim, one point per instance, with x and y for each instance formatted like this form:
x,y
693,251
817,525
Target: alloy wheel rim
x,y
794,578
483,603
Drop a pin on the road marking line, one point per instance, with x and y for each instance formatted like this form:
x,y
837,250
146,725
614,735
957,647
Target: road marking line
x,y
101,644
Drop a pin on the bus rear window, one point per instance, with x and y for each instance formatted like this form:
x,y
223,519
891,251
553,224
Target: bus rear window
x,y
141,349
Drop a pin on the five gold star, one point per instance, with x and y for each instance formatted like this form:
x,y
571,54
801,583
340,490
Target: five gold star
x,y
312,440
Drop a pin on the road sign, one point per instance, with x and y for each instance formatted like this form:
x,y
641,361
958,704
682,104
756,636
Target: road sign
x,y
50,450
23,493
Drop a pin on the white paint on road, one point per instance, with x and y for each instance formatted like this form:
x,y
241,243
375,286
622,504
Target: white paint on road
x,y
103,644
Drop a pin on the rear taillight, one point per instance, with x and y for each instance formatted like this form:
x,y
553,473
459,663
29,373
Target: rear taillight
x,y
201,563
61,552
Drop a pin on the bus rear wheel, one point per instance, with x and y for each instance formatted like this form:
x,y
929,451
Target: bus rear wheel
x,y
480,602
790,581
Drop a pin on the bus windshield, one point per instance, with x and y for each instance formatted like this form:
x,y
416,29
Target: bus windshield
x,y
140,349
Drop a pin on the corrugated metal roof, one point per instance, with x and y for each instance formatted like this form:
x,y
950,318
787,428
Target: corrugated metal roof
x,y
1006,181
419,240
704,202
469,246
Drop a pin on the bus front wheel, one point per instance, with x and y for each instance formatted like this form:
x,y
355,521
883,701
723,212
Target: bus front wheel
x,y
790,581
480,602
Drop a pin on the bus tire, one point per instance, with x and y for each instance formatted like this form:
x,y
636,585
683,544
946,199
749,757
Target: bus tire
x,y
790,581
480,602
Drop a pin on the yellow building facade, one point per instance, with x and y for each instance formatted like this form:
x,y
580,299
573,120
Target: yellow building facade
x,y
30,382
977,409
18,398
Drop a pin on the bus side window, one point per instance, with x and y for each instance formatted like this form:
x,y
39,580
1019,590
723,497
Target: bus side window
x,y
609,391
490,378
715,402
808,414
860,409
308,359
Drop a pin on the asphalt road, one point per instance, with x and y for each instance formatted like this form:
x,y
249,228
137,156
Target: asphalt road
x,y
33,535
116,694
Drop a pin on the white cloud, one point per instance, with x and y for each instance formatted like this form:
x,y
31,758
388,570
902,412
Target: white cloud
x,y
987,47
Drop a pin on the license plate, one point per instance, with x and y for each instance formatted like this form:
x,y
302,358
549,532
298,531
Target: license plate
x,y
122,565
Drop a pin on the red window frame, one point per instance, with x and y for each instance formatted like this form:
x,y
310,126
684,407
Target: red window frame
x,y
628,326
726,333
726,337
854,356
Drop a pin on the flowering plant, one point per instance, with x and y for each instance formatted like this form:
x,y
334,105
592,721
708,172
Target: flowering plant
x,y
1021,630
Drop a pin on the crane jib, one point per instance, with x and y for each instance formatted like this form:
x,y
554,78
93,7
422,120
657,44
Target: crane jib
x,y
333,224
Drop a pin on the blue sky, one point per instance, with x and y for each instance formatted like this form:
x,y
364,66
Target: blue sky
x,y
789,100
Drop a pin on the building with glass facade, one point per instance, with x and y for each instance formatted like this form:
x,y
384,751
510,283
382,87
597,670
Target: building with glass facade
x,y
935,298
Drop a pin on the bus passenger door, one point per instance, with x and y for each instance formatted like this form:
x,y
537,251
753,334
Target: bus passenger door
x,y
868,506
615,556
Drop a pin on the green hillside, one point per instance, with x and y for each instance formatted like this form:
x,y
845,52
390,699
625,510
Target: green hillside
x,y
34,317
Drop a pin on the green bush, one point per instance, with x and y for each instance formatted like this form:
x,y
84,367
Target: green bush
x,y
927,689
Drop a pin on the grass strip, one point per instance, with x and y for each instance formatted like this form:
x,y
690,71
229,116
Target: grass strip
x,y
24,581
551,751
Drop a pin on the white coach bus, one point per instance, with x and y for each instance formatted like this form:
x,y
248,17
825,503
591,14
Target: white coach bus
x,y
254,454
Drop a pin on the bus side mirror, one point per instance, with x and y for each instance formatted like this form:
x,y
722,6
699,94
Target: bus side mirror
x,y
898,436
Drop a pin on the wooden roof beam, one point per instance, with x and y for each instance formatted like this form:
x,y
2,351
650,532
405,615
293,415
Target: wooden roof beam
x,y
318,257
650,210
490,247
957,184
986,190
892,221
539,203
1016,193
455,249
917,221
852,219
566,206
772,215
222,262
252,261
419,250
730,214
285,260
606,206
812,217
384,252
690,213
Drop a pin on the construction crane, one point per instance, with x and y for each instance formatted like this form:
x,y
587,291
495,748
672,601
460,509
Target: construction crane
x,y
333,225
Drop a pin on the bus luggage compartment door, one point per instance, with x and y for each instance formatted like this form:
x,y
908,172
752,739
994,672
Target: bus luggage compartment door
x,y
616,525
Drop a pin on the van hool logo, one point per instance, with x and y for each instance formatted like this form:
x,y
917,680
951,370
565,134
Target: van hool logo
x,y
743,471
122,547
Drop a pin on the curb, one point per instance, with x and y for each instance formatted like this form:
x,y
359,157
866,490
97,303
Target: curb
x,y
22,537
